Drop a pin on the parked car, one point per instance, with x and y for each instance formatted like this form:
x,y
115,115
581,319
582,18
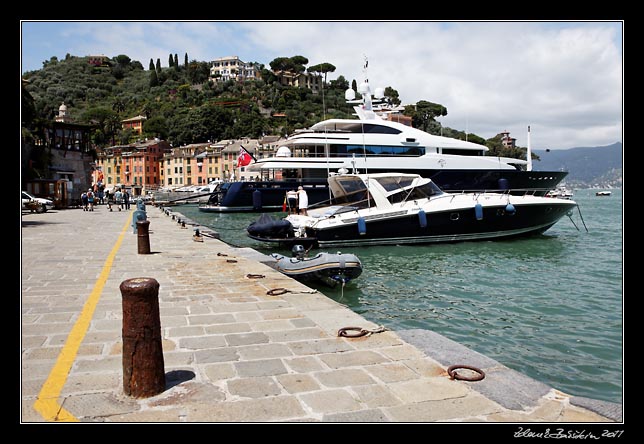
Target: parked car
x,y
35,204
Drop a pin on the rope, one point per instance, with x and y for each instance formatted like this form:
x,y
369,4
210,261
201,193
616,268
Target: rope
x,y
342,333
280,290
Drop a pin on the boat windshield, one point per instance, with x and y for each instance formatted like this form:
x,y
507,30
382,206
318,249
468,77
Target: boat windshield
x,y
424,191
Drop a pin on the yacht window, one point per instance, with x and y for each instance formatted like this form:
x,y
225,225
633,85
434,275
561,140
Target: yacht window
x,y
370,128
462,152
383,150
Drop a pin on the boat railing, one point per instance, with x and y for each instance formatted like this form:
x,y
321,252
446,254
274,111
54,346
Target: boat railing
x,y
513,191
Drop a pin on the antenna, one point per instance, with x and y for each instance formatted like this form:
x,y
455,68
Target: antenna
x,y
529,153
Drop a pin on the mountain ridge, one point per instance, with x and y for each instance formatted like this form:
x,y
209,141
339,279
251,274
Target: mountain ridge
x,y
588,167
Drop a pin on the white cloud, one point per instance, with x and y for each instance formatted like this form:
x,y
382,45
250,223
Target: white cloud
x,y
563,79
490,76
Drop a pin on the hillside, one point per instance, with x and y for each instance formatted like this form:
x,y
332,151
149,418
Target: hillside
x,y
599,166
182,106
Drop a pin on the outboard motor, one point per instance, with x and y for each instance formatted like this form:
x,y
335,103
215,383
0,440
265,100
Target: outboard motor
x,y
298,251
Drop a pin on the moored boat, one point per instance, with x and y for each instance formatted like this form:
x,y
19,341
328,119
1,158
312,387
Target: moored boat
x,y
396,208
329,268
603,193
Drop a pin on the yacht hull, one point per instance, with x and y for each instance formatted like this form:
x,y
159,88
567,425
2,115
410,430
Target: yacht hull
x,y
241,196
445,226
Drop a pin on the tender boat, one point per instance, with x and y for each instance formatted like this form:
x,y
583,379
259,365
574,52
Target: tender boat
x,y
603,193
396,208
374,143
561,192
329,268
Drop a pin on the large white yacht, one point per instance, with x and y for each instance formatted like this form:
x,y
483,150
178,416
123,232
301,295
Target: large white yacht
x,y
374,143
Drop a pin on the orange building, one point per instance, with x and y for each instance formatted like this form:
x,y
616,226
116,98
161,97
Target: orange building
x,y
134,123
134,166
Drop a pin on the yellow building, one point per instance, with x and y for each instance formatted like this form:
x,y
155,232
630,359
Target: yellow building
x,y
194,164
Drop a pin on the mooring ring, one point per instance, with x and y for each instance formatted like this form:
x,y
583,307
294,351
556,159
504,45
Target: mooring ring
x,y
255,276
343,332
277,291
453,375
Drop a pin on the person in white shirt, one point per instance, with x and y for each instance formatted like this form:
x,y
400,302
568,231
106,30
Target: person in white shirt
x,y
291,200
303,201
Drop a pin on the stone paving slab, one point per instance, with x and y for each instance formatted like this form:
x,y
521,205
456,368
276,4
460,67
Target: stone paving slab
x,y
232,352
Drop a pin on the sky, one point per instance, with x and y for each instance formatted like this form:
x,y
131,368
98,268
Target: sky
x,y
563,79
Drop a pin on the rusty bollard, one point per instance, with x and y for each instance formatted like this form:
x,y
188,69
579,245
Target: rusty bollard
x,y
143,236
143,370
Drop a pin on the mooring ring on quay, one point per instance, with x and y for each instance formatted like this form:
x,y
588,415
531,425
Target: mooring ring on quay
x,y
277,291
453,375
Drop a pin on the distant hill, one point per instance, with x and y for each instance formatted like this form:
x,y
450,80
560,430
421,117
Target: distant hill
x,y
599,166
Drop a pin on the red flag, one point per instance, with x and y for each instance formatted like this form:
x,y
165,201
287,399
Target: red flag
x,y
244,157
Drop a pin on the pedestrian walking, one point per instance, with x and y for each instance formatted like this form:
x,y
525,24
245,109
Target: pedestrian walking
x,y
126,199
84,200
90,200
118,198
108,199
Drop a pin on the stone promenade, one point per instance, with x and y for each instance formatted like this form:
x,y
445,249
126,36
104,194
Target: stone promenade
x,y
232,352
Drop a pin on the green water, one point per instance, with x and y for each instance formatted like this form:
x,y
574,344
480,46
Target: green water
x,y
548,306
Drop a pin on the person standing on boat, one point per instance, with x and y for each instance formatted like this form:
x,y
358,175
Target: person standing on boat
x,y
291,200
303,201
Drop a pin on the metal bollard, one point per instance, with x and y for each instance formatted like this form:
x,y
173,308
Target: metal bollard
x,y
143,236
143,366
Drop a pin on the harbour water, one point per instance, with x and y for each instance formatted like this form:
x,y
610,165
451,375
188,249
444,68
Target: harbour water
x,y
550,306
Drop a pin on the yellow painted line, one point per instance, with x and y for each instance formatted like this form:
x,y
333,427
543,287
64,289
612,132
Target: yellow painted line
x,y
47,403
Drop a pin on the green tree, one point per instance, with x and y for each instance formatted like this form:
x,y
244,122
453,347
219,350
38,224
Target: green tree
x,y
151,68
425,113
156,127
176,61
322,68
198,72
154,79
293,64
122,59
392,96
170,61
158,66
185,60
107,124
340,84
118,106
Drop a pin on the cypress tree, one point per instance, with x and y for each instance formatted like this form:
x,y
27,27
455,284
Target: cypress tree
x,y
151,65
154,80
170,61
158,65
185,60
176,61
